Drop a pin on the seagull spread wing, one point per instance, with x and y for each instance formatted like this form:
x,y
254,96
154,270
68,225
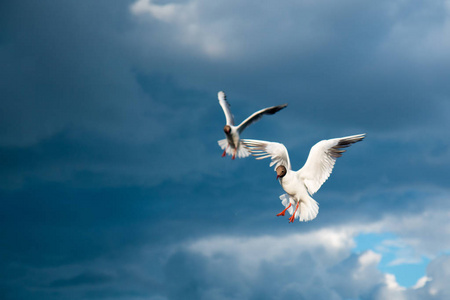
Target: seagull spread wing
x,y
258,115
321,160
226,108
262,149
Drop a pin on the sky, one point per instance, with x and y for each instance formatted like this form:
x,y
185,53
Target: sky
x,y
112,185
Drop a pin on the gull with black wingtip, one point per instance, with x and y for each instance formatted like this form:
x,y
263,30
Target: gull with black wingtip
x,y
302,184
232,144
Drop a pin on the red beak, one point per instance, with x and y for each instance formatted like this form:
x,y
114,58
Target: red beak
x,y
278,176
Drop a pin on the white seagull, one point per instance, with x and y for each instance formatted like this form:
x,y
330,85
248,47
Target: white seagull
x,y
232,144
302,184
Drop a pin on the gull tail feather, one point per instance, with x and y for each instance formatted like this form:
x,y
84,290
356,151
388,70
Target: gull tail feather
x,y
224,145
308,210
241,152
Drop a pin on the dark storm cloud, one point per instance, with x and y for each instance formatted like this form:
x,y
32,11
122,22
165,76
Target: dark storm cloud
x,y
62,68
346,72
365,98
71,66
75,104
82,279
108,130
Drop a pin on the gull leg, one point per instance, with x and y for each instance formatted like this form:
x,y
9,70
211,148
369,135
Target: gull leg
x,y
291,219
225,151
234,153
284,211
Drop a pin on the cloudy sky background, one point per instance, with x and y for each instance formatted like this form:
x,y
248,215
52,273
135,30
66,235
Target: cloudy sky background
x,y
113,186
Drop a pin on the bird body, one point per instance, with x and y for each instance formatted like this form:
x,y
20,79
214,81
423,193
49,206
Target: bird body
x,y
296,192
302,184
232,144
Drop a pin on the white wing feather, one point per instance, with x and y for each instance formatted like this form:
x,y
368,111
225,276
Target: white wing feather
x,y
262,149
321,160
226,107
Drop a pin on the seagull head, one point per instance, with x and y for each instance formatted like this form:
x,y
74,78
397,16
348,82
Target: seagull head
x,y
281,171
227,129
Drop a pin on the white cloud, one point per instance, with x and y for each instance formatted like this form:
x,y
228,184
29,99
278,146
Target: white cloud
x,y
421,282
326,255
318,264
231,29
391,283
293,264
390,290
164,12
335,243
369,258
190,27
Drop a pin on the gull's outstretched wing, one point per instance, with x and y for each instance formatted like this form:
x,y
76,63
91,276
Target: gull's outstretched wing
x,y
262,149
226,108
321,160
258,115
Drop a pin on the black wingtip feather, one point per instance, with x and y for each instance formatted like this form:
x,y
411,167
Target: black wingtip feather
x,y
337,151
275,109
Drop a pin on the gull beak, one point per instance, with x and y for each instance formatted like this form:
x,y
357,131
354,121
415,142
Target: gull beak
x,y
278,176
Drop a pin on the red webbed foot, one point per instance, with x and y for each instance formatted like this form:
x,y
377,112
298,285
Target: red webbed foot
x,y
225,151
284,211
292,218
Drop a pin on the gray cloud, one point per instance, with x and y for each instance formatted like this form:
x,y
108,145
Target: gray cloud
x,y
81,279
110,167
360,82
129,88
158,262
69,66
